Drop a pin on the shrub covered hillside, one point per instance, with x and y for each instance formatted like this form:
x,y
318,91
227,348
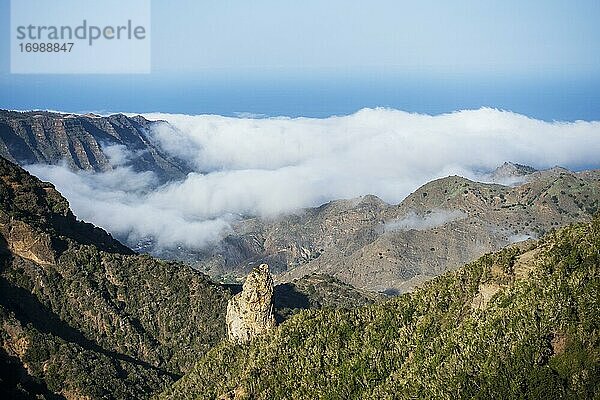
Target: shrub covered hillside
x,y
82,316
521,323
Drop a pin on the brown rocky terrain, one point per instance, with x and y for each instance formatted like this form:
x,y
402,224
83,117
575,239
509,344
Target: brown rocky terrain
x,y
81,141
391,248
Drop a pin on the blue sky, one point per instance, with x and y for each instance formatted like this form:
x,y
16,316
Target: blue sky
x,y
317,58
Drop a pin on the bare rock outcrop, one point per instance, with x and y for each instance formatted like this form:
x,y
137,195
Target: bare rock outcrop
x,y
25,241
250,313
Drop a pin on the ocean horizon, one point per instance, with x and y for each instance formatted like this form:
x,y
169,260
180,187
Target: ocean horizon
x,y
556,98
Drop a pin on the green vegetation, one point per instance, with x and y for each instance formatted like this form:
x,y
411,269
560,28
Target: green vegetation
x,y
82,316
318,291
536,336
83,313
138,320
56,365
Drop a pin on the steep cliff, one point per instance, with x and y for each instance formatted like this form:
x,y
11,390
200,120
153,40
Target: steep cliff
x,y
84,142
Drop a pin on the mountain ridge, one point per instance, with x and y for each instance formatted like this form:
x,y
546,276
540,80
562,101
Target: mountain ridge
x,y
389,248
519,323
82,316
82,142
365,242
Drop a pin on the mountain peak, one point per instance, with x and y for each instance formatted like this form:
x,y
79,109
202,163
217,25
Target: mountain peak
x,y
91,115
511,173
513,169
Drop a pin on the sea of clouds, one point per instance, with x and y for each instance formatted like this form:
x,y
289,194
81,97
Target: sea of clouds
x,y
248,166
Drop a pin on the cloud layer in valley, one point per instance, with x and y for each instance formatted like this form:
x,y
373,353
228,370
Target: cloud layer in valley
x,y
269,166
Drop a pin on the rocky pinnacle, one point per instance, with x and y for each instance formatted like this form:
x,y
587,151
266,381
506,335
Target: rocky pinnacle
x,y
250,313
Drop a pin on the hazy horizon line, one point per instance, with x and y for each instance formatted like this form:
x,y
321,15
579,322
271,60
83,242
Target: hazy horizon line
x,y
260,116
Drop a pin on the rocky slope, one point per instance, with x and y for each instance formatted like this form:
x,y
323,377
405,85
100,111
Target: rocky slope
x,y
511,174
82,142
82,316
520,323
392,248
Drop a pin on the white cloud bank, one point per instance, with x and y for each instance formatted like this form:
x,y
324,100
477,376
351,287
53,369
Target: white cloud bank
x,y
270,166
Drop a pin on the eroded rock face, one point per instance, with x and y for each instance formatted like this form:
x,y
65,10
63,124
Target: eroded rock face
x,y
81,141
250,313
26,242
